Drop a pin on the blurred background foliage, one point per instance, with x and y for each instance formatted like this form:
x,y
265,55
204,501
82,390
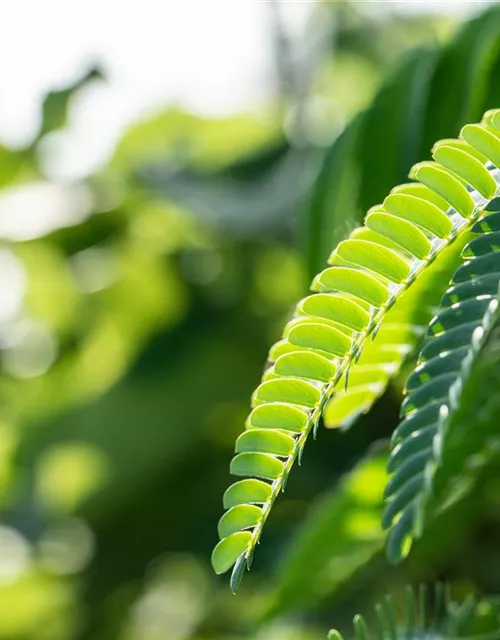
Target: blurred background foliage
x,y
136,309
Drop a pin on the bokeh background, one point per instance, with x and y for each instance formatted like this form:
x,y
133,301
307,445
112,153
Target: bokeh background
x,y
157,161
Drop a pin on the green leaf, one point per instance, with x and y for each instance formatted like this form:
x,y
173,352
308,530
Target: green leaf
x,y
330,210
393,314
261,465
489,263
403,497
463,70
304,364
437,389
461,145
483,139
421,191
55,103
403,94
408,469
486,284
419,211
287,390
492,118
453,339
491,222
238,518
444,363
248,491
335,307
401,232
460,313
277,415
484,244
363,233
361,628
265,440
467,167
347,405
227,551
374,257
237,573
316,335
353,281
444,183
420,439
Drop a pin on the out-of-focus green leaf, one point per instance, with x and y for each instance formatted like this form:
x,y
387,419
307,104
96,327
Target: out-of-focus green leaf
x,y
331,210
464,71
392,127
339,536
55,104
205,144
251,202
11,163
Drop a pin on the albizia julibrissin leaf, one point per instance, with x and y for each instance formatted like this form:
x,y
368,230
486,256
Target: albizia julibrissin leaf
x,y
368,273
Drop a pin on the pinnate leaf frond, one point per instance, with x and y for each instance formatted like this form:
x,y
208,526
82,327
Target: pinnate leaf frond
x,y
366,276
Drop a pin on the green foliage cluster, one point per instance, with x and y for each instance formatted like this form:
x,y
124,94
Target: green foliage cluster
x,y
370,271
435,236
138,303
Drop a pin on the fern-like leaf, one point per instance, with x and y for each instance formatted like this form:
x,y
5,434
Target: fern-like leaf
x,y
369,272
446,367
427,613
